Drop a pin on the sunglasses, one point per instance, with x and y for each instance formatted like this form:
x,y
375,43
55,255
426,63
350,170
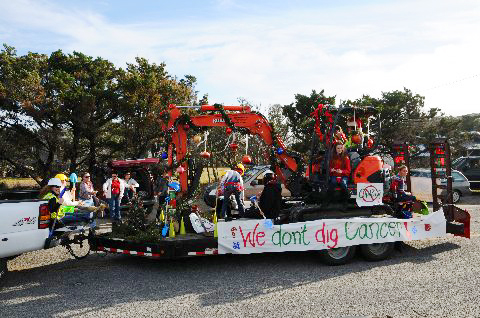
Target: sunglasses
x,y
87,176
56,187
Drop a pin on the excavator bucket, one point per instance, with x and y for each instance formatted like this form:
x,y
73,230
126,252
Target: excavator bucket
x,y
458,221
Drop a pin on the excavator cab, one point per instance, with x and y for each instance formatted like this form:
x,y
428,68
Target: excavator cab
x,y
359,124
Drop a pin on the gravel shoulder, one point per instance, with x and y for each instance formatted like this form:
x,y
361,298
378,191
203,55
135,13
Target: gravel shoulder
x,y
431,278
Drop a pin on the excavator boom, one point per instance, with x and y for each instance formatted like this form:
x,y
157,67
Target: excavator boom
x,y
242,117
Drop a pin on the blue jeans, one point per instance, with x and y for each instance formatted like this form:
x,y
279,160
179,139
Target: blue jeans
x,y
342,183
78,216
87,202
229,190
114,206
403,197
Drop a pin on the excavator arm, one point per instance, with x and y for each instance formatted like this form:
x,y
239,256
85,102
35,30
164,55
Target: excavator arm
x,y
241,117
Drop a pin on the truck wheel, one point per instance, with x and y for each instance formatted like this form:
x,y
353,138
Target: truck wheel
x,y
377,251
3,268
338,256
456,196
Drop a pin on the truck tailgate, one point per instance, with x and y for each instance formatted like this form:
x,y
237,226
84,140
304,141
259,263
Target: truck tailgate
x,y
19,230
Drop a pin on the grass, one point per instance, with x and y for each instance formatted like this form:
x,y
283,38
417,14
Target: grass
x,y
206,171
17,183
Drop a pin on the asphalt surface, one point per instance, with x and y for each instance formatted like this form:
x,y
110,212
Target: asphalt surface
x,y
434,278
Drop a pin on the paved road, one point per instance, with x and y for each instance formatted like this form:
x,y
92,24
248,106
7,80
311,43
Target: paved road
x,y
437,278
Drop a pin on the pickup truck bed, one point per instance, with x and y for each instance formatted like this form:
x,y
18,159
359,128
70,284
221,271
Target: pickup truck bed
x,y
19,227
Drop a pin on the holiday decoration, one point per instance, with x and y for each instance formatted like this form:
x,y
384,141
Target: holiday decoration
x,y
174,186
180,170
205,154
357,139
246,159
228,130
164,155
197,139
186,127
280,151
233,147
370,143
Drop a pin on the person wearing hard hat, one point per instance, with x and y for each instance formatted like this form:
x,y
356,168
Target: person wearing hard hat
x,y
232,183
53,197
65,194
63,179
270,200
59,208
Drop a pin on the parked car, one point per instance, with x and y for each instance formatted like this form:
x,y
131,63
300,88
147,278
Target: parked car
x,y
470,167
252,181
422,184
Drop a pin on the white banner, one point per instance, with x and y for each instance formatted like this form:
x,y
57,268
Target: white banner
x,y
369,194
259,236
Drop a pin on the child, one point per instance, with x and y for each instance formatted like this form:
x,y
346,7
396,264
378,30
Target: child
x,y
339,174
398,185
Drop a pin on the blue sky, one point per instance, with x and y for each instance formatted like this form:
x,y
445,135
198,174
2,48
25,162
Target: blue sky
x,y
268,51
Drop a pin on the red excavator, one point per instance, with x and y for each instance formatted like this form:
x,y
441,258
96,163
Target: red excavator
x,y
290,164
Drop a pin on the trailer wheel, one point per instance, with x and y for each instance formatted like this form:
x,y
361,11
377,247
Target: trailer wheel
x,y
377,251
338,256
3,268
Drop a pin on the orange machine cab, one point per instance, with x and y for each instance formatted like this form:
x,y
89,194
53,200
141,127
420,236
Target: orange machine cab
x,y
369,170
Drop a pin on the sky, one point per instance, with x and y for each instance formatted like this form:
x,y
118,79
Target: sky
x,y
268,51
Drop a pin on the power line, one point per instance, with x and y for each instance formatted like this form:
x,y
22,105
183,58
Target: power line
x,y
451,83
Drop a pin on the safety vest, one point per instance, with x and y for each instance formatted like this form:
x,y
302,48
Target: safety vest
x,y
62,210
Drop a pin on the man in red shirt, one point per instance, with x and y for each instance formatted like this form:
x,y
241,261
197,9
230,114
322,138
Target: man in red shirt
x,y
114,189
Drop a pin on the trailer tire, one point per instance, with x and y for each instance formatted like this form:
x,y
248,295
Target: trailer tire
x,y
377,251
3,268
338,256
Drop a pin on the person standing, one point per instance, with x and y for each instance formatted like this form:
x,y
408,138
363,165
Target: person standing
x,y
113,189
232,183
87,192
270,201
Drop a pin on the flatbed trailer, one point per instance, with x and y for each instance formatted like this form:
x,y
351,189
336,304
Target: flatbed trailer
x,y
181,246
337,239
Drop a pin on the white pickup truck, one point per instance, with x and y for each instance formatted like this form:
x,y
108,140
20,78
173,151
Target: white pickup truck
x,y
24,227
